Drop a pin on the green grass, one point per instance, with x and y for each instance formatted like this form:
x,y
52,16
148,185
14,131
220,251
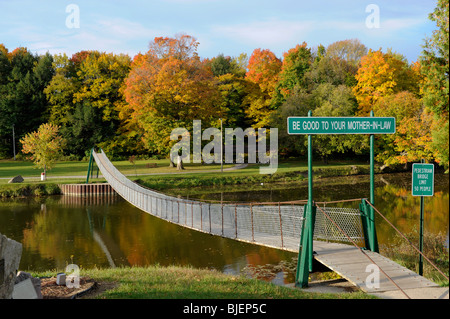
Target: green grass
x,y
173,282
10,168
290,172
434,248
162,177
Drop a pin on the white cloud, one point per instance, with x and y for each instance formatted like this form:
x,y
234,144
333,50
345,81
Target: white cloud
x,y
271,32
401,24
110,35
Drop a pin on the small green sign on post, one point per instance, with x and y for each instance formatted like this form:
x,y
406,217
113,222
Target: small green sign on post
x,y
422,185
423,180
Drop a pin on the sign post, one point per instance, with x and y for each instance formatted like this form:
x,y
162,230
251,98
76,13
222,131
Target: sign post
x,y
305,258
422,185
299,125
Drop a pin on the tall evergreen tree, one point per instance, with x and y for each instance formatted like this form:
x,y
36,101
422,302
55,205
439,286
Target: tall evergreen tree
x,y
22,102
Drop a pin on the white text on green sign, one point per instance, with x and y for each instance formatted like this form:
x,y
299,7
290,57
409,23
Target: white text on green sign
x,y
341,125
423,180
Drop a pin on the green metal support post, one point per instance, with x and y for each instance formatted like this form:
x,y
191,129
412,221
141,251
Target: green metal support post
x,y
366,210
305,258
372,187
422,204
91,158
422,207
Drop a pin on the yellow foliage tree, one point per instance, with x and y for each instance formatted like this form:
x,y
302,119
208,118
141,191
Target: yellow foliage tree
x,y
382,74
412,140
44,145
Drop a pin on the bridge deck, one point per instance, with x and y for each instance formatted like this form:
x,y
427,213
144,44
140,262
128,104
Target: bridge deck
x,y
352,264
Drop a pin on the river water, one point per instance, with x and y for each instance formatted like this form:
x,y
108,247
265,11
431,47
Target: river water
x,y
108,232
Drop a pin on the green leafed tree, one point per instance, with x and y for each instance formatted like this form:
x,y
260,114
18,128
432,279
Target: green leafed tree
x,y
434,63
296,62
23,77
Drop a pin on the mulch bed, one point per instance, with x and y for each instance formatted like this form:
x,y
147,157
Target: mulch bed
x,y
50,290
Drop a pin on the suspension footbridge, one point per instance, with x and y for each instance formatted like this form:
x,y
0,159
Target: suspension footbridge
x,y
338,236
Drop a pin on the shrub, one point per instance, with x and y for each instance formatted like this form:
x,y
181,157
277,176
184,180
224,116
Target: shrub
x,y
52,189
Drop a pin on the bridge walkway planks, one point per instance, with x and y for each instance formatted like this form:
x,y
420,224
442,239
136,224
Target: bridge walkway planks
x,y
351,263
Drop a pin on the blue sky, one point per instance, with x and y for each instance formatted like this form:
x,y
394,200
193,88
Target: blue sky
x,y
229,27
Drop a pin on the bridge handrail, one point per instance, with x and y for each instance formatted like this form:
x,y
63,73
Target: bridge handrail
x,y
398,231
260,216
365,254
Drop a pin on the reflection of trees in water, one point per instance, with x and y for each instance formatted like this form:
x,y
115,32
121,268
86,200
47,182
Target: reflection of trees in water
x,y
55,228
403,210
392,197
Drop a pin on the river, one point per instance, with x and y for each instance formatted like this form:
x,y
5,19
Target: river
x,y
108,232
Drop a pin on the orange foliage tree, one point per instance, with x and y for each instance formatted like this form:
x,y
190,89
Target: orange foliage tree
x,y
263,70
169,87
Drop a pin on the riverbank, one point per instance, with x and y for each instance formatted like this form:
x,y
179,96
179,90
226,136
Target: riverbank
x,y
163,178
174,282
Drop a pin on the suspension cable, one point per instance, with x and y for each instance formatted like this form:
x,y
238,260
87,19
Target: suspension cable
x,y
407,240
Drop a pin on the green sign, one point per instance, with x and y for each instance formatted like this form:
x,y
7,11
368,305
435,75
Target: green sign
x,y
340,125
423,180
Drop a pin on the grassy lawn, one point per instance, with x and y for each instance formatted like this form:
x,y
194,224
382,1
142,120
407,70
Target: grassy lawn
x,y
75,171
9,168
173,282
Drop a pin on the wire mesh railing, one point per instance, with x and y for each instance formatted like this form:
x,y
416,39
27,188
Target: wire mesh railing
x,y
276,224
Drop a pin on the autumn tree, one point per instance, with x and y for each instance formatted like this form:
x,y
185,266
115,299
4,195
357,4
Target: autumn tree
x,y
350,51
85,100
169,87
263,70
382,74
44,145
434,63
412,140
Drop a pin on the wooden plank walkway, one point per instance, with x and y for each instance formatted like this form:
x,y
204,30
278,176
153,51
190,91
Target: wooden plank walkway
x,y
352,264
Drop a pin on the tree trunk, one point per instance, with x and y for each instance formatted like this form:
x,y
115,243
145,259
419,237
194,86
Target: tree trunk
x,y
180,163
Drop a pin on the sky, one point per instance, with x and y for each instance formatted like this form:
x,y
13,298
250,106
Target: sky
x,y
228,27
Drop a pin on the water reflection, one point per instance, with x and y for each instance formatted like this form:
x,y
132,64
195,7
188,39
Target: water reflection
x,y
392,198
60,230
108,232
